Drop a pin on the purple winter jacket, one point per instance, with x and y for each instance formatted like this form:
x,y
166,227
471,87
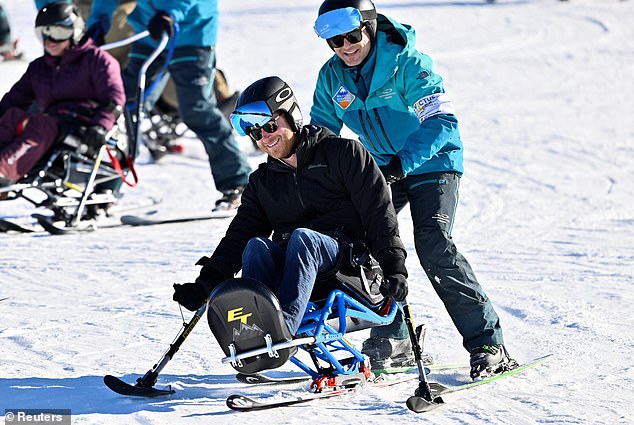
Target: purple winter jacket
x,y
84,77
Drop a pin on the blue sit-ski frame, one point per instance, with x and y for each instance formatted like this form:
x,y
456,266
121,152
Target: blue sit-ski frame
x,y
329,338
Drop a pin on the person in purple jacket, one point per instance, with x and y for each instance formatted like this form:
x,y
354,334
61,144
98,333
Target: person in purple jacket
x,y
73,83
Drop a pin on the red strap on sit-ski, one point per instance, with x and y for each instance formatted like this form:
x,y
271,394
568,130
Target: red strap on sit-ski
x,y
117,167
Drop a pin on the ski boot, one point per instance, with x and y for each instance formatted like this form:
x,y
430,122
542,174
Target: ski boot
x,y
385,353
490,360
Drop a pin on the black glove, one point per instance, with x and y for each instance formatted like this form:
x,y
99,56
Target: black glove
x,y
99,29
394,286
94,137
159,24
393,171
190,295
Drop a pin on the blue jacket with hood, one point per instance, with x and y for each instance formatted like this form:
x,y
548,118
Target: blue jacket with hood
x,y
394,102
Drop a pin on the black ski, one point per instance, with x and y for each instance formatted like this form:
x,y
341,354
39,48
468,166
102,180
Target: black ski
x,y
258,378
9,226
123,388
48,225
245,403
135,220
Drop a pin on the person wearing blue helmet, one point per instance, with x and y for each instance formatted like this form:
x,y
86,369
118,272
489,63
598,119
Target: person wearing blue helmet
x,y
314,196
384,90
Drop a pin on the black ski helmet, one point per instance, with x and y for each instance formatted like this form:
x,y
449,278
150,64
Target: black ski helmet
x,y
61,14
277,95
366,7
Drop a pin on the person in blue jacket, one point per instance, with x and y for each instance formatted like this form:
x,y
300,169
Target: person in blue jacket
x,y
383,89
193,25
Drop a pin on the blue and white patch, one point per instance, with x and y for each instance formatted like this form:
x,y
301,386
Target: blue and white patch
x,y
435,104
343,97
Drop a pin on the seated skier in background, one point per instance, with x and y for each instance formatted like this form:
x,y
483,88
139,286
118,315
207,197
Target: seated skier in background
x,y
313,189
73,83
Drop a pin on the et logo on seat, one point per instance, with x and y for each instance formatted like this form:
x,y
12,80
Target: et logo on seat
x,y
236,314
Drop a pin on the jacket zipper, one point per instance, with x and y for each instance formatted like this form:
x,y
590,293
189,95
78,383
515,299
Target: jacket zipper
x,y
365,123
294,173
387,139
299,194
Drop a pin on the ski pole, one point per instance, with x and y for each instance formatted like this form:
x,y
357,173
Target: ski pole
x,y
141,94
423,399
151,376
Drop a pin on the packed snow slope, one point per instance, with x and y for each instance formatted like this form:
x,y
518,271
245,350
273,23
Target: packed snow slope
x,y
544,94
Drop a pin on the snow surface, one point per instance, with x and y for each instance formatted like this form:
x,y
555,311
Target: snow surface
x,y
544,93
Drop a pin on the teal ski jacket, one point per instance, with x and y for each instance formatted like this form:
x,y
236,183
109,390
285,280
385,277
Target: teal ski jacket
x,y
394,102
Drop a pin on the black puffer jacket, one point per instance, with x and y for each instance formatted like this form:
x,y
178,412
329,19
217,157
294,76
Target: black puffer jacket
x,y
336,188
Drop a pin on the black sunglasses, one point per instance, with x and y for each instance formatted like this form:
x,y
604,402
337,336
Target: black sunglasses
x,y
353,37
255,132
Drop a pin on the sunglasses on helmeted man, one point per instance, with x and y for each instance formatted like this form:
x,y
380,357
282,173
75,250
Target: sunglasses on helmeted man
x,y
255,132
353,37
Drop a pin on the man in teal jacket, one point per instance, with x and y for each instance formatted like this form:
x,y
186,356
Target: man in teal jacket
x,y
386,91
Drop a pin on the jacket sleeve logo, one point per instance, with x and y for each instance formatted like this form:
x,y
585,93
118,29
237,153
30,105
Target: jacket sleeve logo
x,y
435,104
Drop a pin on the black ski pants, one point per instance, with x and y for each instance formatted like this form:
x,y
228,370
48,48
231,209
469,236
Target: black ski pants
x,y
433,199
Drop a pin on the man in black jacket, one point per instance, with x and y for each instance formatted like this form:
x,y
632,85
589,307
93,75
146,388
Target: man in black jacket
x,y
314,187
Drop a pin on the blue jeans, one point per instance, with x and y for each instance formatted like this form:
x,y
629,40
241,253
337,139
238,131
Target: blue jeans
x,y
290,271
192,69
433,199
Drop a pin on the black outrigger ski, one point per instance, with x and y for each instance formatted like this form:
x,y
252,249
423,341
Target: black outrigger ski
x,y
423,400
9,226
145,385
138,390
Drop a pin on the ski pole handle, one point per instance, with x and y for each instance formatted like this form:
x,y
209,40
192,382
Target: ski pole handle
x,y
126,41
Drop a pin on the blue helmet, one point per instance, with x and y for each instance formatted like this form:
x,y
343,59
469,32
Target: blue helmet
x,y
341,16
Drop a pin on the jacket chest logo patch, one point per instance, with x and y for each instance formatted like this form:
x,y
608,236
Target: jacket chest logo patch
x,y
343,97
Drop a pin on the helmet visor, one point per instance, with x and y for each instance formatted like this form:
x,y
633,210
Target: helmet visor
x,y
54,33
338,21
250,115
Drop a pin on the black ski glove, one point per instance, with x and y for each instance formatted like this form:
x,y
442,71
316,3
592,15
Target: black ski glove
x,y
393,171
190,295
94,137
99,29
159,24
394,286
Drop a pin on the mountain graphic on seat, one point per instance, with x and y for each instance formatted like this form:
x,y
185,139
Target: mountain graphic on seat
x,y
246,332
